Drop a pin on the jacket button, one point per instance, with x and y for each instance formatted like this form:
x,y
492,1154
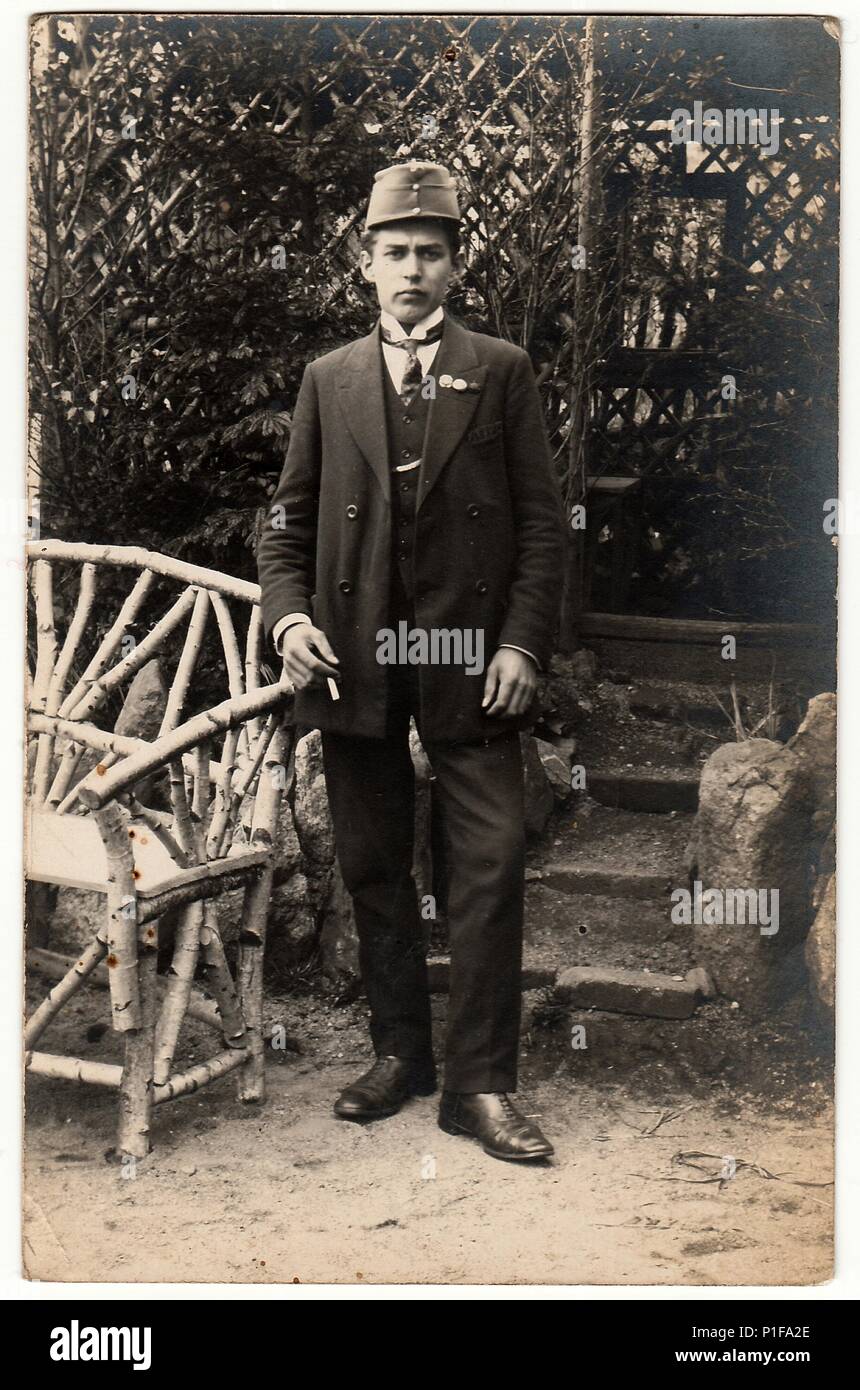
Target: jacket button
x,y
352,511
406,453
473,509
481,586
345,586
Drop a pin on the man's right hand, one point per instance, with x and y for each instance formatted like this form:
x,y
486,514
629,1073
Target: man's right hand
x,y
307,656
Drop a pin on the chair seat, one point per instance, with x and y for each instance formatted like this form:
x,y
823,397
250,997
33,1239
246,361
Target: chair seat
x,y
69,851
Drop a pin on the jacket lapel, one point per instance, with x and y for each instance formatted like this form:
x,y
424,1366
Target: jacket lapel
x,y
363,405
450,411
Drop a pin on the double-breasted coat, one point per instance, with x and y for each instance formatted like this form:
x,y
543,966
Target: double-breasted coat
x,y
489,528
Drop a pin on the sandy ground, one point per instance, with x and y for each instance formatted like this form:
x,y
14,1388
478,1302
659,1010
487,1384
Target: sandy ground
x,y
286,1192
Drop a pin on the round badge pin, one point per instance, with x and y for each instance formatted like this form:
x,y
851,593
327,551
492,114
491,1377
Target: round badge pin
x,y
445,379
459,384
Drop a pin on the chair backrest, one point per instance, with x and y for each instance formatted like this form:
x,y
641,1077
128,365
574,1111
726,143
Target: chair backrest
x,y
101,615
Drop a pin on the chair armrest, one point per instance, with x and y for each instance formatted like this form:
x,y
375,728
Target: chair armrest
x,y
100,787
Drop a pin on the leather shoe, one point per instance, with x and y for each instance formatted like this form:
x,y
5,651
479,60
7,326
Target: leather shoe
x,y
383,1089
491,1117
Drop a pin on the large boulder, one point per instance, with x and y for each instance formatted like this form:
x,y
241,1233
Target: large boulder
x,y
144,705
310,804
140,717
752,832
288,850
820,955
815,745
76,918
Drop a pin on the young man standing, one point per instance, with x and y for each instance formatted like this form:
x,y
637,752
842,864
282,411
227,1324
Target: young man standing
x,y
418,497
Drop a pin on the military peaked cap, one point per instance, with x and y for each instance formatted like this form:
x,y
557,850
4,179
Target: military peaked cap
x,y
415,189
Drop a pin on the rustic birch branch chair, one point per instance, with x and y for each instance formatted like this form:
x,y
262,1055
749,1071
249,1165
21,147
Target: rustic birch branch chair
x,y
89,827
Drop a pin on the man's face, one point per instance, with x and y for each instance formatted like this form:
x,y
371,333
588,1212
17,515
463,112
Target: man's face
x,y
411,266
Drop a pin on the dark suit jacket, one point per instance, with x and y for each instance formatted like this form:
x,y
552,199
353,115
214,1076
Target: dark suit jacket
x,y
489,539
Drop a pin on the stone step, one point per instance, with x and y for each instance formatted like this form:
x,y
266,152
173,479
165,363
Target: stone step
x,y
613,852
563,931
681,702
636,791
641,762
583,876
643,993
600,895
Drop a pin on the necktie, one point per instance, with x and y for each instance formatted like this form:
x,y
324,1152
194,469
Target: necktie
x,y
413,375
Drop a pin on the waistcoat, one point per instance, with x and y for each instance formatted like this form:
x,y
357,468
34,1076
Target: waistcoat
x,y
405,428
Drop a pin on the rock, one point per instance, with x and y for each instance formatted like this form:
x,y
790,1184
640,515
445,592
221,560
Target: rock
x,y
310,804
583,665
292,936
752,831
144,705
539,799
815,745
288,851
826,864
77,917
656,702
292,917
140,717
40,902
556,768
563,687
820,952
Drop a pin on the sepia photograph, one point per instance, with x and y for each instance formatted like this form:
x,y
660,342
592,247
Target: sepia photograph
x,y
432,520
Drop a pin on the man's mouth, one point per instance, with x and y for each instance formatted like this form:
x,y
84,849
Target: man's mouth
x,y
411,294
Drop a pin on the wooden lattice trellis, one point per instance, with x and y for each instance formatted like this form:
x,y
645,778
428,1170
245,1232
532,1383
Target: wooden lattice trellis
x,y
727,219
498,103
552,151
506,98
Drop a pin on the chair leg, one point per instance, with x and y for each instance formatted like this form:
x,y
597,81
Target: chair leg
x,y
136,1087
218,980
252,942
179,982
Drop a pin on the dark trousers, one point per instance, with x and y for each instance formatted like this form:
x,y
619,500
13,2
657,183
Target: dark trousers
x,y
371,790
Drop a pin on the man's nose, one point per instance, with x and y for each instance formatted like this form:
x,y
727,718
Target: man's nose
x,y
412,269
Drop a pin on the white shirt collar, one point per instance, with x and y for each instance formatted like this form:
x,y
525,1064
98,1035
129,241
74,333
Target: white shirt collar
x,y
418,330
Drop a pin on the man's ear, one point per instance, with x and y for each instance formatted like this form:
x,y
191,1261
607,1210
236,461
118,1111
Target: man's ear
x,y
458,268
365,261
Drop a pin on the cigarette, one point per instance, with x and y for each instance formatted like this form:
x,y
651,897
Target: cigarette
x,y
332,688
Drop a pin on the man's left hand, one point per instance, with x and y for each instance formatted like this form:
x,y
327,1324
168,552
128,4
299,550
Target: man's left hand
x,y
510,684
